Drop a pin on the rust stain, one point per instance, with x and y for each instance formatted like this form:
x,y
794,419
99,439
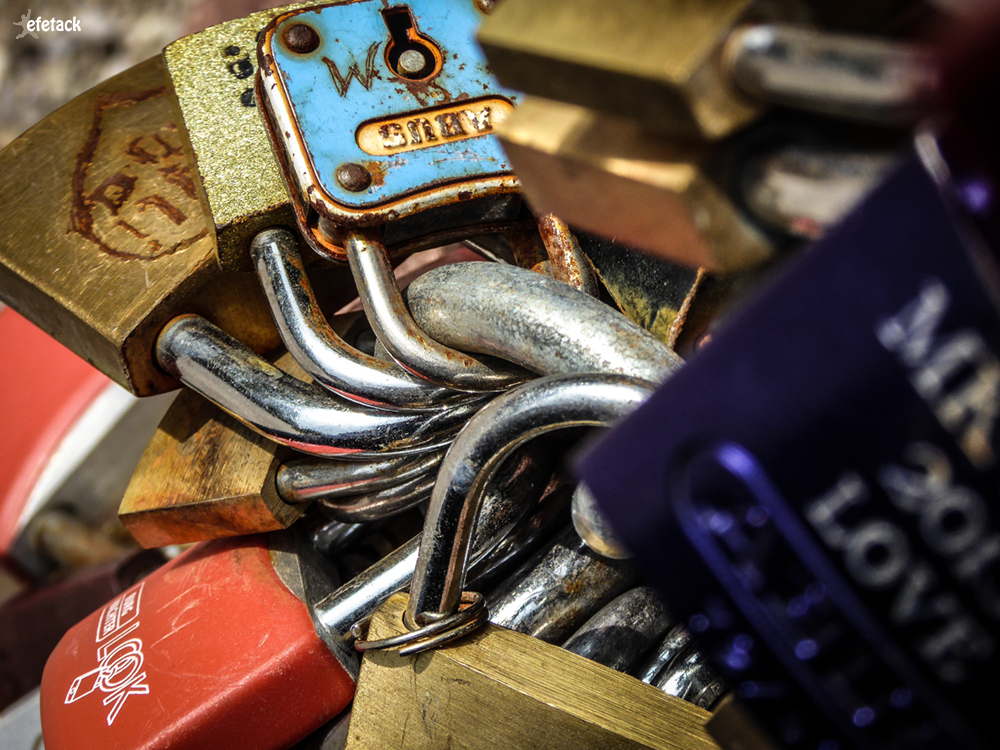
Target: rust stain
x,y
377,170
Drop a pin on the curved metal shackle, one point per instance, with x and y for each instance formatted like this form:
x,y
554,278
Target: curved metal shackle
x,y
307,479
406,342
855,77
533,320
541,406
509,499
316,347
288,411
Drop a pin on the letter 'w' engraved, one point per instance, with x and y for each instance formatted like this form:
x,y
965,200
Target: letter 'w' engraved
x,y
343,82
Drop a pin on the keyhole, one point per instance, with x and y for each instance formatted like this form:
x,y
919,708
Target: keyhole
x,y
409,54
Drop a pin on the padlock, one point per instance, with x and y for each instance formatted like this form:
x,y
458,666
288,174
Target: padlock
x,y
614,177
702,68
204,475
32,623
126,243
775,489
425,165
240,186
205,645
538,695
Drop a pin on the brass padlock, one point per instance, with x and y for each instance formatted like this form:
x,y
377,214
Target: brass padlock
x,y
615,178
706,67
112,242
538,694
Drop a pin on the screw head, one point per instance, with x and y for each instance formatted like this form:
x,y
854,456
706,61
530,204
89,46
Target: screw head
x,y
353,177
301,38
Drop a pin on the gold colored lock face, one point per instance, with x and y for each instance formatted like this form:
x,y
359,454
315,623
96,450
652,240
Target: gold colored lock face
x,y
212,74
611,177
655,60
204,476
104,236
538,695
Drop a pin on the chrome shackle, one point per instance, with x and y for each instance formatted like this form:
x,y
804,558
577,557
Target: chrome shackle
x,y
539,407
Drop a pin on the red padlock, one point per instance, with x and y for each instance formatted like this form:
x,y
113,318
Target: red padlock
x,y
214,639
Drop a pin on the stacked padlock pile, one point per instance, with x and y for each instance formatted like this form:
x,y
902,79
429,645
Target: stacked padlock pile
x,y
226,217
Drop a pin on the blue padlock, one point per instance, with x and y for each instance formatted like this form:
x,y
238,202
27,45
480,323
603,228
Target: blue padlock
x,y
383,116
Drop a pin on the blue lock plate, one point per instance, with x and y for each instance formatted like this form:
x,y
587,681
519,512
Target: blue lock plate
x,y
366,134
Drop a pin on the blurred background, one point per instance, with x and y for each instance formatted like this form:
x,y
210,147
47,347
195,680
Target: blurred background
x,y
39,75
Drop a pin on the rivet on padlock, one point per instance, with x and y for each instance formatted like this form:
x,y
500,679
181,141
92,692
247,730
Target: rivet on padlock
x,y
209,644
538,695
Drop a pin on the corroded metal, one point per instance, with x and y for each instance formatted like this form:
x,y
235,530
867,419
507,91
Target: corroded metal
x,y
568,262
555,592
368,135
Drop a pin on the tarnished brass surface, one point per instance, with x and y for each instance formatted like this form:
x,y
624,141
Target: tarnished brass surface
x,y
656,60
204,476
611,177
212,73
498,688
103,238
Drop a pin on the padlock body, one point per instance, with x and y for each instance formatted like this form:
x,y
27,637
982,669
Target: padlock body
x,y
409,145
212,650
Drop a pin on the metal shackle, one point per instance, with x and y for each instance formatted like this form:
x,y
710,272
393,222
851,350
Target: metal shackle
x,y
541,406
410,346
289,411
306,333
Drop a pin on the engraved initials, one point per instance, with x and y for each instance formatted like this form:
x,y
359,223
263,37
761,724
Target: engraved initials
x,y
342,82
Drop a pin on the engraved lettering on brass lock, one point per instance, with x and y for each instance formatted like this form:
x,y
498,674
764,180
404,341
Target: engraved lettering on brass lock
x,y
149,194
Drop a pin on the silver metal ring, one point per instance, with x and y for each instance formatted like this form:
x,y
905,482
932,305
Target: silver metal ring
x,y
472,614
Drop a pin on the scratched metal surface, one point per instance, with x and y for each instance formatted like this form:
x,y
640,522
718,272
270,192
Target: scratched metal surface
x,y
346,83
